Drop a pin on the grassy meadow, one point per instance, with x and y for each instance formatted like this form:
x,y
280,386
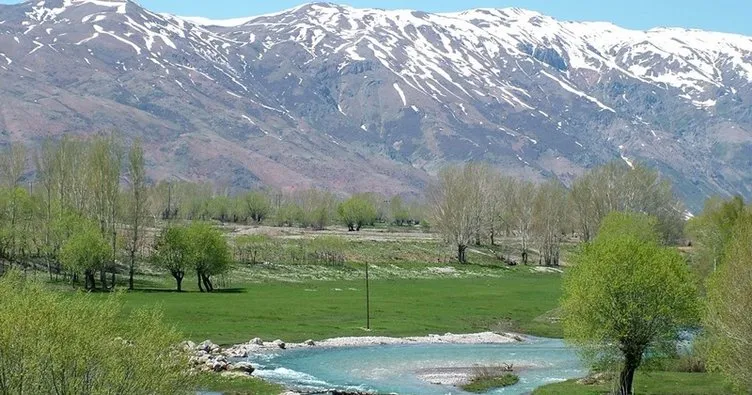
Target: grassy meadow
x,y
416,288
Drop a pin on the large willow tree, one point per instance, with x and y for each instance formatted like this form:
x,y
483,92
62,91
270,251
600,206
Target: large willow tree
x,y
626,296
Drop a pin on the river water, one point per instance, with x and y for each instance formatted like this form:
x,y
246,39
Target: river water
x,y
401,369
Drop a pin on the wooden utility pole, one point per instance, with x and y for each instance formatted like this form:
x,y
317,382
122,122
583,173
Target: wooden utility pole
x,y
368,301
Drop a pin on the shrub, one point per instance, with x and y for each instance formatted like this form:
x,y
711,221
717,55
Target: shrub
x,y
486,378
73,344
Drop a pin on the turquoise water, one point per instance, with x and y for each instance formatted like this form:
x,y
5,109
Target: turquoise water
x,y
396,368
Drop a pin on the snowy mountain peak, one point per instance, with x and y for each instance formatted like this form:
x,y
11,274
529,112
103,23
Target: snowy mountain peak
x,y
330,95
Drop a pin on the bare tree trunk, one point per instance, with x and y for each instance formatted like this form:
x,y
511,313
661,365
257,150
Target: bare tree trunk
x,y
103,279
198,276
625,380
90,282
131,270
461,253
207,283
632,359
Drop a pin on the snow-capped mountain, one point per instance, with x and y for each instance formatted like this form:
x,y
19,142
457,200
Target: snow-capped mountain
x,y
365,99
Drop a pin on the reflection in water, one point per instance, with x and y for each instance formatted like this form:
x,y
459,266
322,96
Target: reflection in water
x,y
415,369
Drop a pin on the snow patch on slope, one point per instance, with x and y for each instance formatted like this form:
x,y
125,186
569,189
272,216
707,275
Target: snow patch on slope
x,y
401,93
201,21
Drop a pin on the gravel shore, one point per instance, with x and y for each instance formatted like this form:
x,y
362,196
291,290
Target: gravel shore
x,y
259,345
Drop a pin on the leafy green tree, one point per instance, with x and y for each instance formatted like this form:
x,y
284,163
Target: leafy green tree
x,y
258,206
52,343
19,212
220,208
85,252
198,247
399,211
318,208
209,254
626,295
288,214
728,321
357,212
172,253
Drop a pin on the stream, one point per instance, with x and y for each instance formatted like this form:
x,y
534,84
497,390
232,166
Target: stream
x,y
416,369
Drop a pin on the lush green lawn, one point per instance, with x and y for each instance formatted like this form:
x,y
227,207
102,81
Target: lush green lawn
x,y
649,383
236,386
399,307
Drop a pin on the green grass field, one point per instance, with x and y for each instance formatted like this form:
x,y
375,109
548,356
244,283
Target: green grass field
x,y
212,382
416,289
649,383
399,307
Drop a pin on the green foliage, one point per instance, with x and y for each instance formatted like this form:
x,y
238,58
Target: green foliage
x,y
253,249
221,208
85,252
323,250
357,212
316,208
75,344
712,231
728,320
288,214
406,213
197,247
172,253
210,252
213,382
620,225
257,206
626,294
480,385
19,220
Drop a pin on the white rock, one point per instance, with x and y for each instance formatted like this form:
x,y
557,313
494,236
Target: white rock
x,y
189,345
242,367
309,342
256,341
279,343
218,366
206,345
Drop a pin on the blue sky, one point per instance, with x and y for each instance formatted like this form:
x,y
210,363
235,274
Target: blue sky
x,y
721,15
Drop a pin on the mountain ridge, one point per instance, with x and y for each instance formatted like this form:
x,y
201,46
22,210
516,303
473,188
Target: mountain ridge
x,y
352,99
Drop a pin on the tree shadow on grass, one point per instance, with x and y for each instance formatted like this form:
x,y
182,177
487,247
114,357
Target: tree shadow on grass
x,y
173,291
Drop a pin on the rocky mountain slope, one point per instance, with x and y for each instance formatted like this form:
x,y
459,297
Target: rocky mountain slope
x,y
362,99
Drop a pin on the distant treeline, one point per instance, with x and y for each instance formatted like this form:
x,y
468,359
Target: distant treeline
x,y
475,203
89,208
